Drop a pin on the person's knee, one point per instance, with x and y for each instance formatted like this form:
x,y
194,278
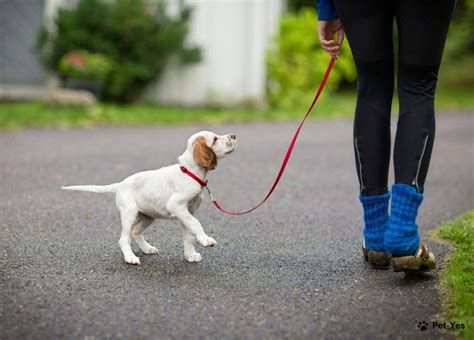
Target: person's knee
x,y
375,84
375,80
417,82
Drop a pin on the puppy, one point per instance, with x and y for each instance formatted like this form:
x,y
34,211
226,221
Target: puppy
x,y
167,193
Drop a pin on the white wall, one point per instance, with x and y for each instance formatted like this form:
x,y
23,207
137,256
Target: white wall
x,y
234,36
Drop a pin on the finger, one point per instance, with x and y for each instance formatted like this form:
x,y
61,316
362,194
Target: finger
x,y
323,41
327,42
340,37
331,48
332,54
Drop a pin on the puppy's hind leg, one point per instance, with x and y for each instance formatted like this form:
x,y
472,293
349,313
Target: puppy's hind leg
x,y
189,241
128,216
137,234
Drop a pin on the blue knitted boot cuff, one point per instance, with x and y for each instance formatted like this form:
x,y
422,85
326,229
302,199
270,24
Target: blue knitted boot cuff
x,y
375,219
402,238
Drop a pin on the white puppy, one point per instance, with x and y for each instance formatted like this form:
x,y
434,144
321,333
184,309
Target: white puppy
x,y
167,193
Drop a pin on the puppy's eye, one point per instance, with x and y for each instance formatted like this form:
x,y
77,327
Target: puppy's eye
x,y
215,140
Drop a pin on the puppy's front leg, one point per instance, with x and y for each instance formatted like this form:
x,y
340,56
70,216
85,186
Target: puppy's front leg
x,y
178,206
190,253
128,216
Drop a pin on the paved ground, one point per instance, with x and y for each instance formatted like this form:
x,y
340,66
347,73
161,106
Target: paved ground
x,y
291,269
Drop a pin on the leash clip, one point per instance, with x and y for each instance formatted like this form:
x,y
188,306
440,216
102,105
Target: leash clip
x,y
210,193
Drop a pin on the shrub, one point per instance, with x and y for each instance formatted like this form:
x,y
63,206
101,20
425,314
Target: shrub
x,y
84,65
460,42
297,62
296,5
459,51
135,35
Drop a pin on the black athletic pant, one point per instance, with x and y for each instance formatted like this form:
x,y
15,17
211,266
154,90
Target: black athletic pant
x,y
422,28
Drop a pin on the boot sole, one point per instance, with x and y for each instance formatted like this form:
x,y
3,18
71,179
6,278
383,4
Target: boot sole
x,y
413,264
379,260
376,259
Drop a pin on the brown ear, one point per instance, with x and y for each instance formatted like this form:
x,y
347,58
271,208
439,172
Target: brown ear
x,y
204,155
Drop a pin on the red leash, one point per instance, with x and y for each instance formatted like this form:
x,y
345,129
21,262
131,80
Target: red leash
x,y
285,160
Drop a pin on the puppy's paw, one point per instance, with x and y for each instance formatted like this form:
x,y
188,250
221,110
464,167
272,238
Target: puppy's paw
x,y
207,241
150,250
132,259
193,258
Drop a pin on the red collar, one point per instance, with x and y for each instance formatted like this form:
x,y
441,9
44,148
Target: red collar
x,y
193,176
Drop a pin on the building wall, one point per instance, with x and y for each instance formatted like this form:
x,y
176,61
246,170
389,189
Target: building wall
x,y
234,36
19,24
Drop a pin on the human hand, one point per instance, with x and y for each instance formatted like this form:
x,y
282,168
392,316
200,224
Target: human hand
x,y
327,30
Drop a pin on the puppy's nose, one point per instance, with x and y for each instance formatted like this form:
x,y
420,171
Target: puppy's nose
x,y
232,137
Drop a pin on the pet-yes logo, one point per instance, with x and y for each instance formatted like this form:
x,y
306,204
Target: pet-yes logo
x,y
423,325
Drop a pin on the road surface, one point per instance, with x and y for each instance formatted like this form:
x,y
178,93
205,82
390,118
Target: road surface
x,y
291,269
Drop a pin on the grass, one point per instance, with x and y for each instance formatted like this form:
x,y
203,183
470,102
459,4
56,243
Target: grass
x,y
455,99
458,276
41,114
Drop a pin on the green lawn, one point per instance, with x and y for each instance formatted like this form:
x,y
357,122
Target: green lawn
x,y
458,276
18,115
39,114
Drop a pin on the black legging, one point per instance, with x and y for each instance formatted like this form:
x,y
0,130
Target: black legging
x,y
422,28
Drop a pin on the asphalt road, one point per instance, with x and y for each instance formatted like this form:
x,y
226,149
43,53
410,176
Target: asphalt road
x,y
292,269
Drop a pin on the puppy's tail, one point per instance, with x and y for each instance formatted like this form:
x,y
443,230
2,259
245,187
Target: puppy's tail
x,y
94,188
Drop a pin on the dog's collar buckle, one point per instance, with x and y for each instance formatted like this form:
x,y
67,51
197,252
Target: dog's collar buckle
x,y
193,176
